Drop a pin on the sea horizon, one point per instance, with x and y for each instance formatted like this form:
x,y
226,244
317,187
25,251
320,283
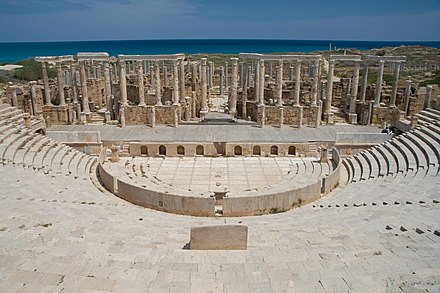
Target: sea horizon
x,y
15,51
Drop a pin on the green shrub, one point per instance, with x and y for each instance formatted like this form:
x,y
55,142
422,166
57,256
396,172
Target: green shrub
x,y
435,80
31,70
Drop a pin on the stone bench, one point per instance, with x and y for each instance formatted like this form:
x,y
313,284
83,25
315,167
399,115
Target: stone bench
x,y
221,237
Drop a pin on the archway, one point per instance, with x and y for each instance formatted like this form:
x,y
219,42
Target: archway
x,y
237,150
274,150
200,151
256,150
162,150
292,150
180,150
144,150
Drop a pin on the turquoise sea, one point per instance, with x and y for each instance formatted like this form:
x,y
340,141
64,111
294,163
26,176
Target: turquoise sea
x,y
12,52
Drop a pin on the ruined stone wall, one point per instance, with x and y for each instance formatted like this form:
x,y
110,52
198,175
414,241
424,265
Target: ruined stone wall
x,y
252,111
96,91
135,115
164,115
384,114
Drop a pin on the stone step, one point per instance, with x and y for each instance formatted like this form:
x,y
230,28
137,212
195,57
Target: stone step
x,y
434,111
430,115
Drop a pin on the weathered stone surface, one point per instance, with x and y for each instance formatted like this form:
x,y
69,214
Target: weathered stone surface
x,y
222,237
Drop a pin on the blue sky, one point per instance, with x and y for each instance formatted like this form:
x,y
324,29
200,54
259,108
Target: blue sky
x,y
49,20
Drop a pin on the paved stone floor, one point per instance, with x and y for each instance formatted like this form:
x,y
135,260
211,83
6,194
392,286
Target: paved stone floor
x,y
204,174
62,235
219,133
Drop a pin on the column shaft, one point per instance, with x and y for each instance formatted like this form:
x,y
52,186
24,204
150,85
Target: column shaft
x,y
123,83
204,101
182,82
379,83
261,82
315,83
279,82
108,86
84,93
176,82
328,101
364,82
234,87
141,87
354,88
297,83
46,84
395,84
60,80
157,83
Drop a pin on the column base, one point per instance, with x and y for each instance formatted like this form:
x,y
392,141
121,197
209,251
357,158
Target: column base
x,y
328,118
202,114
233,114
352,118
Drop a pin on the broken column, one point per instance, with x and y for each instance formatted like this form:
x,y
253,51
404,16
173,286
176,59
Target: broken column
x,y
157,83
395,85
85,95
176,82
352,116
204,100
379,83
328,115
427,102
234,88
46,84
141,88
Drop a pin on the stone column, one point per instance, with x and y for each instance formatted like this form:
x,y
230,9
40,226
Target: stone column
x,y
122,117
352,116
74,83
85,95
364,82
315,84
222,74
46,84
244,93
37,112
261,82
226,75
395,85
123,83
204,101
60,81
242,73
211,74
14,96
193,76
279,82
182,82
297,83
256,82
165,76
234,88
407,95
108,86
428,97
157,83
175,82
153,117
379,83
152,84
329,91
187,108
141,87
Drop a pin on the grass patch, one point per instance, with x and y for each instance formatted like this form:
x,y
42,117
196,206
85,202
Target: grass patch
x,y
435,80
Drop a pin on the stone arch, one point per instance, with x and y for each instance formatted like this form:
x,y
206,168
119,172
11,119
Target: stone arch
x,y
274,150
292,150
144,150
200,150
256,150
162,150
238,151
180,150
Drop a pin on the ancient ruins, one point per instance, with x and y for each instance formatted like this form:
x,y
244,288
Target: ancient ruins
x,y
340,166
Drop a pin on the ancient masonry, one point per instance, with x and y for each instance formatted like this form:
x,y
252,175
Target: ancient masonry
x,y
291,90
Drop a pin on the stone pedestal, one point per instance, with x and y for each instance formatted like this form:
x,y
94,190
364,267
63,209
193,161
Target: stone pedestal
x,y
153,117
328,118
122,117
262,115
414,121
352,118
107,117
281,116
115,154
83,118
176,115
324,155
299,110
27,120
